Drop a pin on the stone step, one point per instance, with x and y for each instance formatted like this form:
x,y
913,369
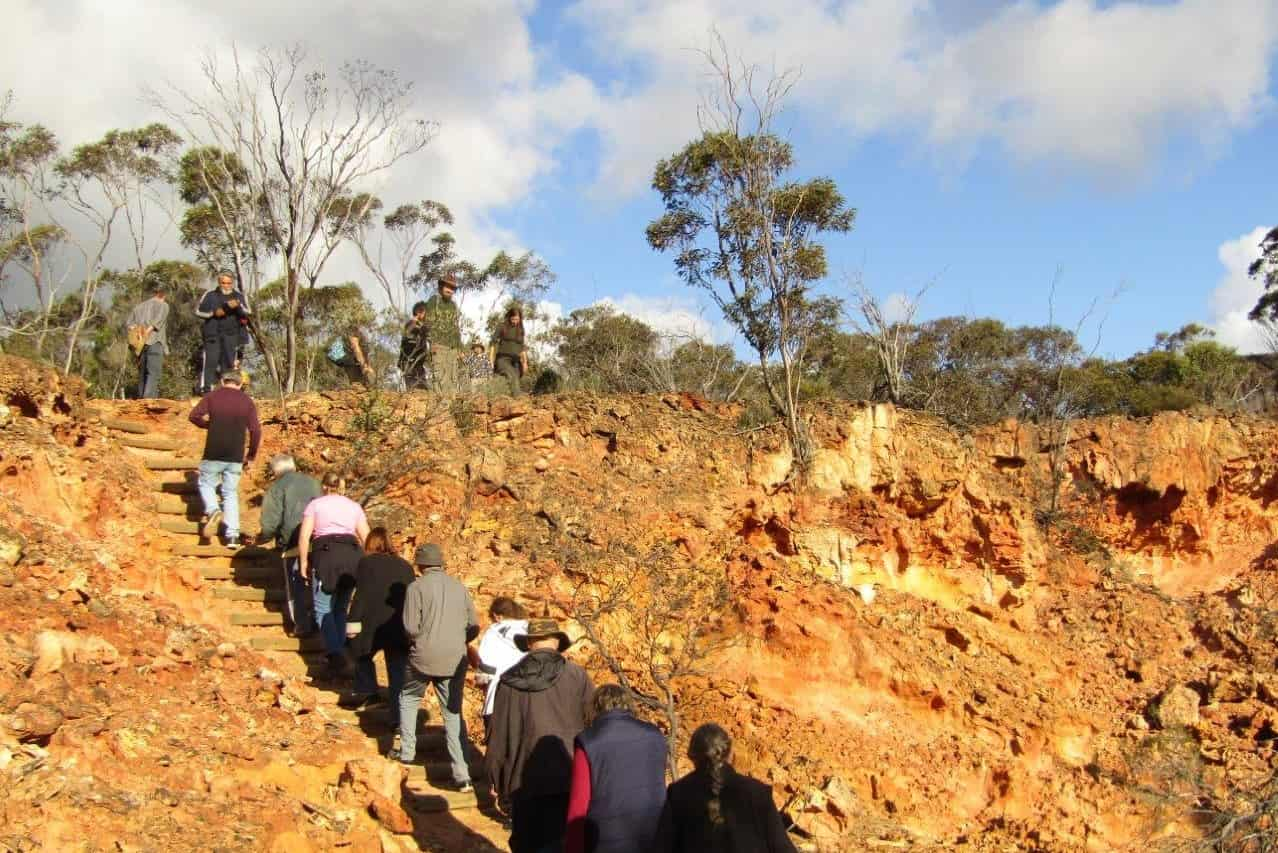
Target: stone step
x,y
121,425
149,442
180,464
188,549
241,593
263,617
287,644
187,503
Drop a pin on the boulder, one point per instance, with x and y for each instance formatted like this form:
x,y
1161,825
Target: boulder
x,y
1177,707
486,471
364,778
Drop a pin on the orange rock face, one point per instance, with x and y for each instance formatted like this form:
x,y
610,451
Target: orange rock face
x,y
932,637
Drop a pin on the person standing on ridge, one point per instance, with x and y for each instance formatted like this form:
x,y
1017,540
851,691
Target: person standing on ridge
x,y
331,543
414,350
151,318
714,809
439,618
228,414
618,779
225,313
539,709
510,356
282,508
443,331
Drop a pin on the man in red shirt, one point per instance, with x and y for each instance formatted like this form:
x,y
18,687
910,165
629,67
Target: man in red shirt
x,y
228,414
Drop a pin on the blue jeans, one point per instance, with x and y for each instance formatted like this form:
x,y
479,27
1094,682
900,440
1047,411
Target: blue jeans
x,y
330,613
396,666
150,363
448,690
228,474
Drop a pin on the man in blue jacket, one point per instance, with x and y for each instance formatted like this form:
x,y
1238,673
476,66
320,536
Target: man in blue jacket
x,y
225,313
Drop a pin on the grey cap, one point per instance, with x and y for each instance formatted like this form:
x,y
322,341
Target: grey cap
x,y
430,554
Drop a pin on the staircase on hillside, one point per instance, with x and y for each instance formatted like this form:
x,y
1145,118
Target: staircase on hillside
x,y
248,592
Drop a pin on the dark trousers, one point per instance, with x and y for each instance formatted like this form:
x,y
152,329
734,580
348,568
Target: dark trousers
x,y
537,824
507,367
220,352
150,363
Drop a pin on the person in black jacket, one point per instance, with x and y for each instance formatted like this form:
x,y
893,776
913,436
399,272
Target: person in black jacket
x,y
225,313
381,581
714,809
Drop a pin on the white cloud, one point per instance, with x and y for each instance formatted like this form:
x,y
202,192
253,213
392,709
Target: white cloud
x,y
675,317
1236,294
1071,84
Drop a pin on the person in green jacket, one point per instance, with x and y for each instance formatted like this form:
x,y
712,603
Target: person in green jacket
x,y
443,330
282,508
509,355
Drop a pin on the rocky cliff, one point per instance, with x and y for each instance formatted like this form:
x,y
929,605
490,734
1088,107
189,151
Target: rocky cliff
x,y
1017,638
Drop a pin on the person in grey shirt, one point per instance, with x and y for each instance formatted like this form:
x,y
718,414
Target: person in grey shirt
x,y
153,314
440,620
281,519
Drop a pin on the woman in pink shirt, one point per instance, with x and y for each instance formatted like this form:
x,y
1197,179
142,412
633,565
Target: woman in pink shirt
x,y
331,542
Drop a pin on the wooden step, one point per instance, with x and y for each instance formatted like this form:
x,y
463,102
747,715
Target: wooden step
x,y
188,549
424,798
241,593
149,442
172,464
287,644
180,525
249,578
263,617
120,425
183,504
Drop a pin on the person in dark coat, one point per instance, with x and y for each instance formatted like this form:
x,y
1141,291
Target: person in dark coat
x,y
714,809
225,313
538,711
381,581
508,353
618,779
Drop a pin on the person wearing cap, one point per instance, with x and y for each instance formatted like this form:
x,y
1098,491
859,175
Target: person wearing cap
x,y
228,416
539,709
440,621
442,320
282,508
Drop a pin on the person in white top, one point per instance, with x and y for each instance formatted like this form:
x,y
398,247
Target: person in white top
x,y
497,649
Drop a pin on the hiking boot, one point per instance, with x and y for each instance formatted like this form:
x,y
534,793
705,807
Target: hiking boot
x,y
352,701
464,787
209,524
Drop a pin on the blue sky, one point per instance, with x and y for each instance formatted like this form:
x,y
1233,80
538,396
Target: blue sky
x,y
985,143
990,232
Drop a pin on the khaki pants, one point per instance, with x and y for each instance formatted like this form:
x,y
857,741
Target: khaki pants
x,y
445,370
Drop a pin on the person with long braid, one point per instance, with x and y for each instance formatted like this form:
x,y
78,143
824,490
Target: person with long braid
x,y
715,809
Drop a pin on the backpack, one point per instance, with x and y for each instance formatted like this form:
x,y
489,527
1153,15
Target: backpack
x,y
137,338
337,352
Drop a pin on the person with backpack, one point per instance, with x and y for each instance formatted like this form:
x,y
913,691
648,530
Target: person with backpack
x,y
225,313
330,544
618,779
349,353
148,337
714,809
